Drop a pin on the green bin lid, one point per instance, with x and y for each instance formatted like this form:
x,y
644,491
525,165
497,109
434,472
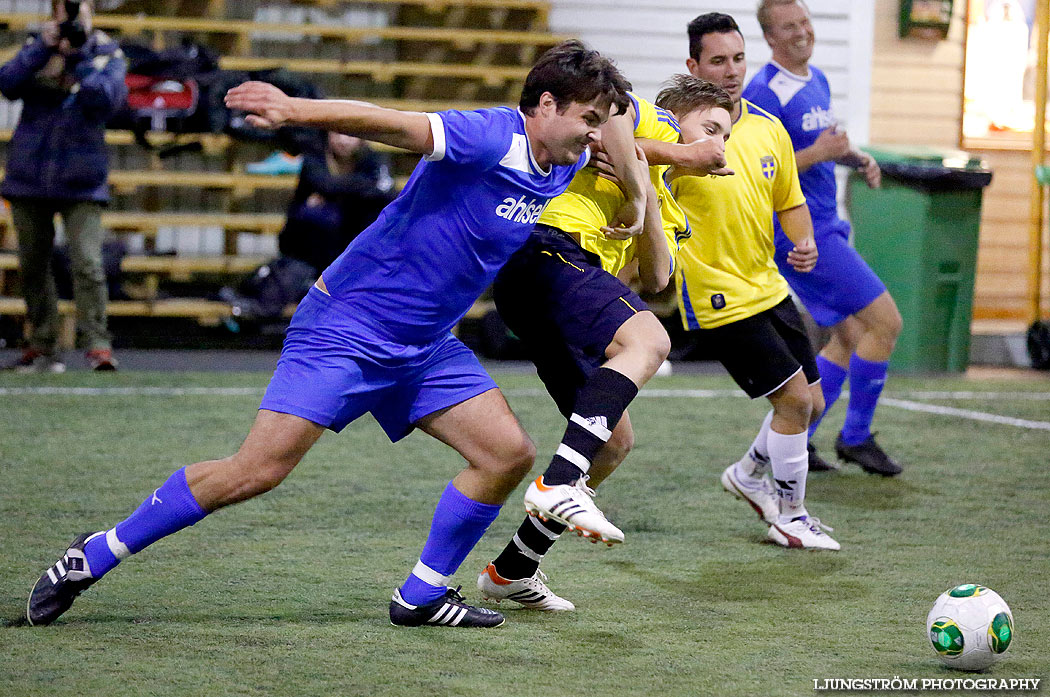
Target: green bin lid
x,y
920,155
932,168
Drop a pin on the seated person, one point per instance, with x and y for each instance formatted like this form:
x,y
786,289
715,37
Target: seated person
x,y
341,191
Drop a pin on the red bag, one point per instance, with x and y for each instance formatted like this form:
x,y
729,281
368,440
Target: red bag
x,y
159,99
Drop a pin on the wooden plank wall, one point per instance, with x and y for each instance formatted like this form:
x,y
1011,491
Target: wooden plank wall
x,y
917,99
647,38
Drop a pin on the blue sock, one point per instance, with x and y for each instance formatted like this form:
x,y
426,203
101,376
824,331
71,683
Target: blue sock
x,y
832,375
866,380
458,524
169,509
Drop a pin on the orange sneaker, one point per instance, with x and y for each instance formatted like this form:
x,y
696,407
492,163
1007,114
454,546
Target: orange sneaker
x,y
101,359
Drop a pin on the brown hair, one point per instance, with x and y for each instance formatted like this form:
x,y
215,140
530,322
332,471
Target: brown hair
x,y
684,94
571,72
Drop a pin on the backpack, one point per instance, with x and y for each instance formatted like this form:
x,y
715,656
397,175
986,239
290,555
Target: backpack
x,y
270,288
1039,345
166,91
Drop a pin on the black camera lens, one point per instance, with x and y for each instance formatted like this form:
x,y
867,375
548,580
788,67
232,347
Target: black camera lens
x,y
74,32
73,29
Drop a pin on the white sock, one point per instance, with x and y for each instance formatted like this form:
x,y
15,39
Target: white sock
x,y
755,462
790,463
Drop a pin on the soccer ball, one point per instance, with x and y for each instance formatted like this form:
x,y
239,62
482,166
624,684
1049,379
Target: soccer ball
x,y
970,627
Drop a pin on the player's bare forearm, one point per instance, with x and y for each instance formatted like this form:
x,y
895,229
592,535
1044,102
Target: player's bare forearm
x,y
653,256
852,159
617,136
269,107
699,158
866,165
830,146
409,130
807,157
798,226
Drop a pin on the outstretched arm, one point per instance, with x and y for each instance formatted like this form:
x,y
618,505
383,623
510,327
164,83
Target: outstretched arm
x,y
269,107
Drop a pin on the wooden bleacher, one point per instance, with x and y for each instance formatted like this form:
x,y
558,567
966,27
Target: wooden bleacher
x,y
425,55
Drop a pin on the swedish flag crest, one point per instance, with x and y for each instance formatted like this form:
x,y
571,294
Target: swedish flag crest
x,y
769,166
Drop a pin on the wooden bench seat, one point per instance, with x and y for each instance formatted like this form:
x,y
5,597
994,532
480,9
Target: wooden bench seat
x,y
491,75
209,313
460,37
442,5
148,223
174,307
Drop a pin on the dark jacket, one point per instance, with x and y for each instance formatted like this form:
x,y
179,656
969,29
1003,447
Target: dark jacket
x,y
319,234
58,151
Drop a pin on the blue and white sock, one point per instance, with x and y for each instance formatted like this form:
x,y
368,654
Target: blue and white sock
x,y
170,509
866,380
832,377
458,524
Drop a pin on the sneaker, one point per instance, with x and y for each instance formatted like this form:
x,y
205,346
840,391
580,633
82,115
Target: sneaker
x,y
56,590
871,458
572,505
531,592
276,163
34,361
817,463
450,610
804,532
101,360
760,493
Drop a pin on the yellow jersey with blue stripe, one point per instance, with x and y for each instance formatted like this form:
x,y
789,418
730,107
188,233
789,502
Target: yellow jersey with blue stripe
x,y
727,272
591,202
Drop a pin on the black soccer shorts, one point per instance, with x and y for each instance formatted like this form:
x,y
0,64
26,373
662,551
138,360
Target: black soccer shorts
x,y
764,351
565,308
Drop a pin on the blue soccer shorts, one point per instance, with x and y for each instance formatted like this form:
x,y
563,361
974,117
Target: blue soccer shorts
x,y
841,284
334,368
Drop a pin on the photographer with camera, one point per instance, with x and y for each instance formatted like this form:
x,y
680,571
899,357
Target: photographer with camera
x,y
70,79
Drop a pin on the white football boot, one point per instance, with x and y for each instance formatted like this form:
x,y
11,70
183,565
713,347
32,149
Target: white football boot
x,y
572,505
531,592
804,532
759,493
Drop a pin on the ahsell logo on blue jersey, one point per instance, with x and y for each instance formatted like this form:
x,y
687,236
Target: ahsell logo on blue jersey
x,y
769,166
817,119
520,211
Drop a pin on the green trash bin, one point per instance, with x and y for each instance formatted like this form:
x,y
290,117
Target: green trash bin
x,y
919,234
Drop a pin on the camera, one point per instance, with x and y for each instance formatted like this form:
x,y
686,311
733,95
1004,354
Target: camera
x,y
73,29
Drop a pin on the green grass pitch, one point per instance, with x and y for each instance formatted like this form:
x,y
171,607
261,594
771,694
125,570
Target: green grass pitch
x,y
287,595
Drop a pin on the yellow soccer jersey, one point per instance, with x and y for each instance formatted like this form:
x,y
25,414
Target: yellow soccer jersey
x,y
591,202
727,273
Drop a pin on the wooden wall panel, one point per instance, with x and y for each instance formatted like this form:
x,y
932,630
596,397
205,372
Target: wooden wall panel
x,y
917,99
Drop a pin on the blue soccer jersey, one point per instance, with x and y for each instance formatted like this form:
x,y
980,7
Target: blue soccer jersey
x,y
841,284
803,105
415,272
